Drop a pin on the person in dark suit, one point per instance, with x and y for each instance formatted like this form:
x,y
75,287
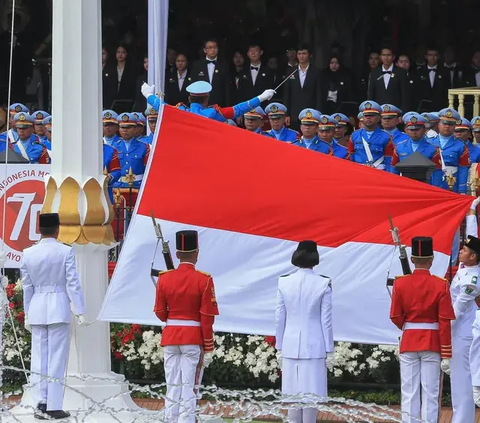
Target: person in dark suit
x,y
431,84
177,82
403,61
126,76
303,88
255,78
214,71
109,80
336,85
451,66
140,101
471,74
388,83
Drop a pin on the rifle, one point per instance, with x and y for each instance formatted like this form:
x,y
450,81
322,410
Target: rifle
x,y
403,253
165,250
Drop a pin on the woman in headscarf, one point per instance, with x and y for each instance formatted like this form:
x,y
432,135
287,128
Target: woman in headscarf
x,y
336,85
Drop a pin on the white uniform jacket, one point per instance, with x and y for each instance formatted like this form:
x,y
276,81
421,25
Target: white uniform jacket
x,y
304,315
50,283
464,304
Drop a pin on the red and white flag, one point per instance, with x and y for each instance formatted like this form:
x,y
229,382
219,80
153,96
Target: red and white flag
x,y
252,199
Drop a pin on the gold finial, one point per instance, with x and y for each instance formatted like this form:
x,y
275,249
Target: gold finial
x,y
451,181
130,177
105,172
117,199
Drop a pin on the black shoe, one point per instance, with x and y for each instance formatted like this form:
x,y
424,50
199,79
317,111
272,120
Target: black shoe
x,y
41,412
58,414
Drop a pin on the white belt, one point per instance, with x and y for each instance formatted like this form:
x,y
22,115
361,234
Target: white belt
x,y
424,326
136,178
49,288
176,322
451,170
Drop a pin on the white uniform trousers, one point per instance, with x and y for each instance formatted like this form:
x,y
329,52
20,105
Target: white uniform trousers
x,y
183,369
461,382
420,372
475,351
304,376
50,344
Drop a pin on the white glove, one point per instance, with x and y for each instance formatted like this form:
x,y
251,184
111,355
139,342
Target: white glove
x,y
330,360
81,319
445,366
476,395
475,203
279,359
207,359
267,95
3,258
147,90
27,325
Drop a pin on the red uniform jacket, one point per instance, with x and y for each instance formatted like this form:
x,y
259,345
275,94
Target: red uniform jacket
x,y
423,298
186,294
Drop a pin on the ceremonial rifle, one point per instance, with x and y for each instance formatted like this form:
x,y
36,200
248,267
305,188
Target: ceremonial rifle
x,y
403,254
165,250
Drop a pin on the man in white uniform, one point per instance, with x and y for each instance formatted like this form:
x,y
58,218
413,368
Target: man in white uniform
x,y
304,334
463,290
50,284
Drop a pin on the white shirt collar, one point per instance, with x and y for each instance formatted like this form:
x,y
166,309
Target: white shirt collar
x,y
389,69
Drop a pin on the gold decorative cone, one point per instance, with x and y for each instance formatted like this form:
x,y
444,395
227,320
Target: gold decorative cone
x,y
70,227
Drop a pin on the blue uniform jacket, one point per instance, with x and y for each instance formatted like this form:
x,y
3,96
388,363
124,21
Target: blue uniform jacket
x,y
316,145
398,136
473,152
286,134
214,112
3,135
36,151
340,151
147,139
136,158
455,154
380,143
47,144
404,149
112,163
260,132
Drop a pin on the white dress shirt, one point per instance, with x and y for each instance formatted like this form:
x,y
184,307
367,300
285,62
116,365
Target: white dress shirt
x,y
302,74
254,73
181,79
431,75
387,76
211,69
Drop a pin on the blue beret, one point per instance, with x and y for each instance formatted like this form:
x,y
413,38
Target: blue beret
x,y
140,118
151,113
127,119
109,116
275,109
341,119
449,116
47,122
307,116
369,106
360,116
17,108
431,117
199,88
39,115
414,120
463,124
390,110
327,122
256,113
476,123
23,119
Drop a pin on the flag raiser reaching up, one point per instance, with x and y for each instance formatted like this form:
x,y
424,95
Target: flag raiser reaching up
x,y
252,200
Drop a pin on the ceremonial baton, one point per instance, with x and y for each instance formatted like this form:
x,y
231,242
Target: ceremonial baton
x,y
154,272
286,79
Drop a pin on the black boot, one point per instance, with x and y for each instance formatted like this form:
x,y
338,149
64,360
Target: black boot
x,y
58,414
40,412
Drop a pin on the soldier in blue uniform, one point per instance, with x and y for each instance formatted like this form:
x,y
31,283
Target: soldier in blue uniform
x,y
276,115
454,153
476,129
28,144
326,131
432,124
133,154
417,141
198,97
39,115
340,133
253,120
463,132
371,145
140,128
110,127
111,166
309,120
12,134
152,117
391,117
360,120
47,124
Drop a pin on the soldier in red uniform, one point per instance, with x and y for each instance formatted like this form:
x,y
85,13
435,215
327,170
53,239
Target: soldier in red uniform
x,y
422,309
185,301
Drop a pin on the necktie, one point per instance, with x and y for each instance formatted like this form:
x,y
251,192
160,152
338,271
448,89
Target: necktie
x,y
432,70
450,68
254,68
387,72
211,62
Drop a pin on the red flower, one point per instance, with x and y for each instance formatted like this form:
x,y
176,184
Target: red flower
x,y
21,317
10,290
11,305
118,355
136,328
270,340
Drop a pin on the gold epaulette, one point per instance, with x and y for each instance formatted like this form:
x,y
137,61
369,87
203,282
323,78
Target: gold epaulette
x,y
443,279
204,273
400,276
165,271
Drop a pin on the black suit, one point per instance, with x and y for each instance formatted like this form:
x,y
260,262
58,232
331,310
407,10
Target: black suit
x,y
220,93
469,76
109,84
264,81
456,74
438,94
396,92
296,98
173,95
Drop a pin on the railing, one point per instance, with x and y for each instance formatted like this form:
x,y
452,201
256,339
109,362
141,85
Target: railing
x,y
457,95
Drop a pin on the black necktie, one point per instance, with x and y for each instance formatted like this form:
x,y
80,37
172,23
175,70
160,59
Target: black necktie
x,y
432,70
387,72
450,68
211,61
254,68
